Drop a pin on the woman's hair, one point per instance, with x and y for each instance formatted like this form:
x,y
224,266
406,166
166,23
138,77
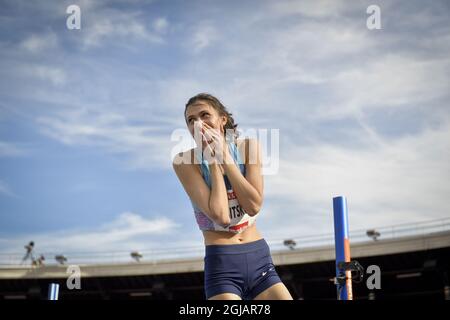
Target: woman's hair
x,y
221,109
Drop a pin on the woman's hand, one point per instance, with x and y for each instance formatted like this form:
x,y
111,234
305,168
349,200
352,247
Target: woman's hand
x,y
216,149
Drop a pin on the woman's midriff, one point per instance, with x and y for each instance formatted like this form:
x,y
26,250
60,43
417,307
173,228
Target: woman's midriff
x,y
222,237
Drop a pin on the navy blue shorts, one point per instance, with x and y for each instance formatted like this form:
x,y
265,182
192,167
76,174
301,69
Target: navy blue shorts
x,y
243,269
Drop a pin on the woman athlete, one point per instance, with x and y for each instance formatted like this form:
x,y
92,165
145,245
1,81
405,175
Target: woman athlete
x,y
226,194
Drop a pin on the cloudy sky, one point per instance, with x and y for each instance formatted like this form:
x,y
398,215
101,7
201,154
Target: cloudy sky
x,y
87,116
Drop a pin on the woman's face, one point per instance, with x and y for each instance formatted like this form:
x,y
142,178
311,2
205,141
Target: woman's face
x,y
201,111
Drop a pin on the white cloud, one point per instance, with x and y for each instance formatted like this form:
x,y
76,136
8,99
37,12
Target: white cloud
x,y
38,43
125,233
116,27
390,81
313,9
160,25
147,146
204,35
274,68
129,225
402,180
55,75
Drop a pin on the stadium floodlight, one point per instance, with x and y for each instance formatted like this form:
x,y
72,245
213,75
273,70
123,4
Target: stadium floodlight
x,y
290,243
136,256
374,234
61,259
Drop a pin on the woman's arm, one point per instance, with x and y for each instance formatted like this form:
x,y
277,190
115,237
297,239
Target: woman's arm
x,y
218,201
214,202
248,189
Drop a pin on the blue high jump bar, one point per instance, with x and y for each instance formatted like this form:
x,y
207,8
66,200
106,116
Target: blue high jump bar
x,y
342,248
53,291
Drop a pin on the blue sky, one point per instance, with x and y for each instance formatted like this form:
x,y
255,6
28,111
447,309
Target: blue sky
x,y
87,116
